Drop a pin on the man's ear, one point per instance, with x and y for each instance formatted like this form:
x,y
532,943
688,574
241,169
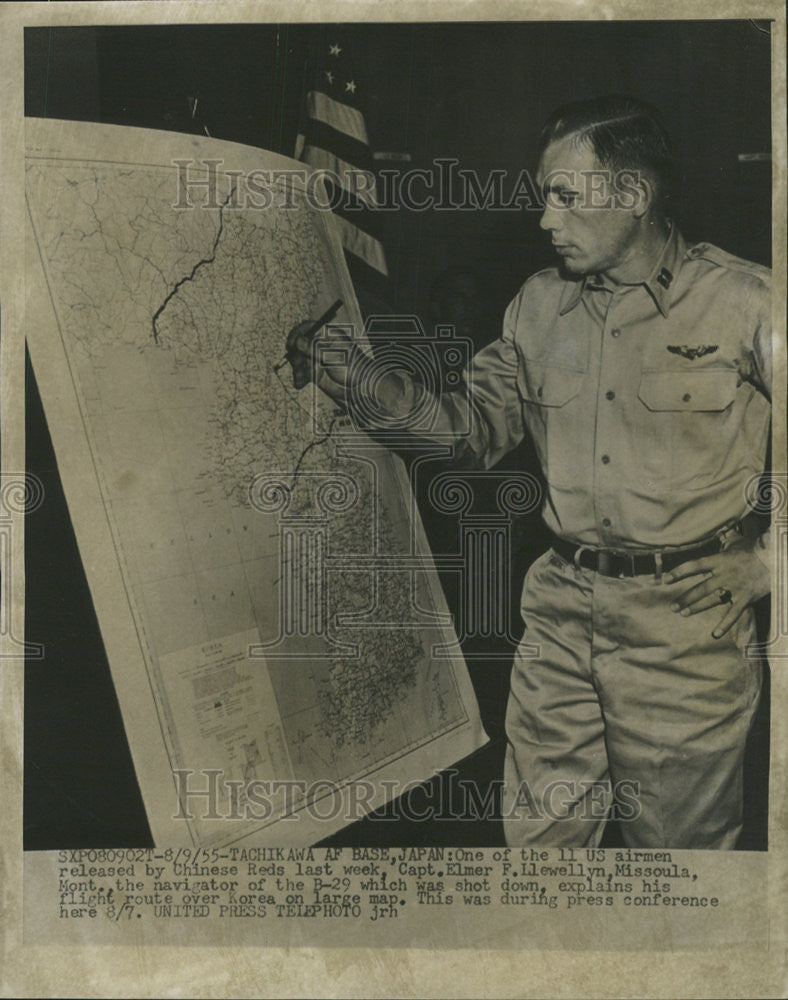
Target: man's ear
x,y
644,195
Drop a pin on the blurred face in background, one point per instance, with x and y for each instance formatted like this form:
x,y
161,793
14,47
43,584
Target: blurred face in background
x,y
458,299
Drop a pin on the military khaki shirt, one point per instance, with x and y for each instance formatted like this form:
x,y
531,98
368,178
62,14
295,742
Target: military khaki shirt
x,y
648,404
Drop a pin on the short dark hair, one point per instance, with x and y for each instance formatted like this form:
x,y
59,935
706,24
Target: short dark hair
x,y
624,133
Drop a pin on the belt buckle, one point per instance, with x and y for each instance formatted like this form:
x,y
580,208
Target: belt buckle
x,y
630,558
625,561
622,558
604,562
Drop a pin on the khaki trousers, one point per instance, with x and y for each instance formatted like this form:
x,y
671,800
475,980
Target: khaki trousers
x,y
625,701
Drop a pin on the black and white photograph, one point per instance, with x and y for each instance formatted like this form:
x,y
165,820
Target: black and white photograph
x,y
394,495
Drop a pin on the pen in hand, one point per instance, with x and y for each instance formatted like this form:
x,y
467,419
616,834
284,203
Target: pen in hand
x,y
327,316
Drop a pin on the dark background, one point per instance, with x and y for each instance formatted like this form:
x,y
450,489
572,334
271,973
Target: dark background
x,y
477,92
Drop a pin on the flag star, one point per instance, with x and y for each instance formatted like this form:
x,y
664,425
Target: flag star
x,y
329,76
334,50
351,86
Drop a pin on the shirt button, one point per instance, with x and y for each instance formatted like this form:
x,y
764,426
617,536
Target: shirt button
x,y
615,332
606,522
610,394
605,459
686,397
539,392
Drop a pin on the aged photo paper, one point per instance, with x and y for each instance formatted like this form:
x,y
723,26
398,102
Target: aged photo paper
x,y
257,642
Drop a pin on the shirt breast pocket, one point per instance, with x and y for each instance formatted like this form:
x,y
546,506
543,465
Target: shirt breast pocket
x,y
548,385
552,413
687,424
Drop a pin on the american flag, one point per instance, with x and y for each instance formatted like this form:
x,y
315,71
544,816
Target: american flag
x,y
333,138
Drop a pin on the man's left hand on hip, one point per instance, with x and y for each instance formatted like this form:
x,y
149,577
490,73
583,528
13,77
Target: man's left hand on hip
x,y
734,578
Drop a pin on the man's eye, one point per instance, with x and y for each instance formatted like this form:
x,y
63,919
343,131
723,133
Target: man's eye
x,y
568,198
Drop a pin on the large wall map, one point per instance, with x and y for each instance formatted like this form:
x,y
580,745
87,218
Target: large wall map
x,y
265,595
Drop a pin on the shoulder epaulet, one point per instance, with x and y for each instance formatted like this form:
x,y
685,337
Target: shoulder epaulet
x,y
546,274
537,283
707,251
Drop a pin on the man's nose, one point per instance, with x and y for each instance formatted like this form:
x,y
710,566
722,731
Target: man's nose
x,y
551,219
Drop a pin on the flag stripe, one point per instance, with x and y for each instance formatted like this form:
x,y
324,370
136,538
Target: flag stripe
x,y
339,116
374,286
344,172
354,210
362,244
322,136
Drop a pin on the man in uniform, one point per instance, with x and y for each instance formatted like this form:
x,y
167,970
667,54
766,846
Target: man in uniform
x,y
641,369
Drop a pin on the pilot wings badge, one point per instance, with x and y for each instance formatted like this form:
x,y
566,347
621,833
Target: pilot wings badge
x,y
692,352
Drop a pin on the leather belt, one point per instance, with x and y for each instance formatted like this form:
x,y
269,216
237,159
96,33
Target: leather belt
x,y
610,562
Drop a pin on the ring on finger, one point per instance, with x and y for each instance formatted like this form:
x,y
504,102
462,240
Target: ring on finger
x,y
725,596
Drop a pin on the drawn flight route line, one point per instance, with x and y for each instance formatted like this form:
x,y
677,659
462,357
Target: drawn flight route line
x,y
190,277
314,443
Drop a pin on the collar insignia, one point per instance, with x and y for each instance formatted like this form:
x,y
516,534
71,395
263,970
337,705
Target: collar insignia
x,y
665,277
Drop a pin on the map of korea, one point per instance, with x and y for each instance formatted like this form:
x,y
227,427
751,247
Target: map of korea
x,y
174,323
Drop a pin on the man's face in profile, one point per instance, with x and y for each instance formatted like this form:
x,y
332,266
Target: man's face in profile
x,y
590,221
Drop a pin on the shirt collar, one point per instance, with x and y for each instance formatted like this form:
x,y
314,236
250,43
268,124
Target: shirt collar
x,y
658,283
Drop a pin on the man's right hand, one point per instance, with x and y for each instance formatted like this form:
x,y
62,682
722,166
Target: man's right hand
x,y
350,376
327,361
